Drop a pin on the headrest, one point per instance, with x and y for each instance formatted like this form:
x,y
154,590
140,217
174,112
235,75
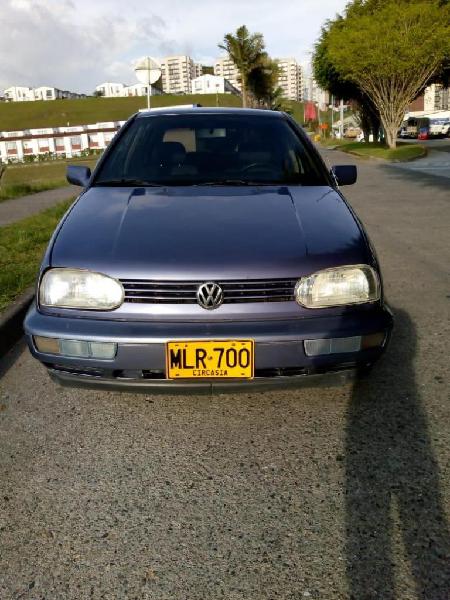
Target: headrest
x,y
172,152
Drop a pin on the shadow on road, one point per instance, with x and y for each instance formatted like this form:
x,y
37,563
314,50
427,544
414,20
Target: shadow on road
x,y
392,477
419,177
9,360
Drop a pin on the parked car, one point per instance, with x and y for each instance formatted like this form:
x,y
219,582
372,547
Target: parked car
x,y
352,132
210,249
435,127
412,128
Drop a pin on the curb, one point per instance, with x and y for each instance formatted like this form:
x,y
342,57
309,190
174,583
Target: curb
x,y
386,160
11,321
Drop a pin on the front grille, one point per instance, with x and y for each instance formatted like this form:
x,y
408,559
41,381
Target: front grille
x,y
176,292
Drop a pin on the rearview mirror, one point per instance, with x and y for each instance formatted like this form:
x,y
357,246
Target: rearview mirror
x,y
344,174
78,175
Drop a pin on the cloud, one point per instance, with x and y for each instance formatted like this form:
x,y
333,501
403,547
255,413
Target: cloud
x,y
44,43
77,44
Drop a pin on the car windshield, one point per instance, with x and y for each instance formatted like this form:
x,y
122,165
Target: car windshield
x,y
210,149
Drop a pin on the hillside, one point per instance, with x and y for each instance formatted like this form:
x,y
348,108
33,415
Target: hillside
x,y
59,113
15,116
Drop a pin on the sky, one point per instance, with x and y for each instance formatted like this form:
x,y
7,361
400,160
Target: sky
x,y
78,44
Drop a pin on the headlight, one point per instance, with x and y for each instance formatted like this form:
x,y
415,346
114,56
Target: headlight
x,y
353,284
75,288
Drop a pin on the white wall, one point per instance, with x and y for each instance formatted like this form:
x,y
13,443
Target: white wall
x,y
16,145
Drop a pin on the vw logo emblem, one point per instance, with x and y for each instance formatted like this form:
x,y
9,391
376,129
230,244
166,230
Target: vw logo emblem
x,y
209,295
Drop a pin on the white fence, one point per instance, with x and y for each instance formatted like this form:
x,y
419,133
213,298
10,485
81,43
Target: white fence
x,y
57,142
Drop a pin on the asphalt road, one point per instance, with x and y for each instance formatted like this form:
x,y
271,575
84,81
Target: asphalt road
x,y
335,493
437,161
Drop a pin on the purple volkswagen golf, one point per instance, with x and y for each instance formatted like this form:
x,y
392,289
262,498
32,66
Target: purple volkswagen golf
x,y
210,249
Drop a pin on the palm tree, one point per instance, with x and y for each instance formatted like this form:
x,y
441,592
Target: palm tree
x,y
263,85
246,51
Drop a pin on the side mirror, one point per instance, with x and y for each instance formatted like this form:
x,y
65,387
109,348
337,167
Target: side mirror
x,y
344,174
78,175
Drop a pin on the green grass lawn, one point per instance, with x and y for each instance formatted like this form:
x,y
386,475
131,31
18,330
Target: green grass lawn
x,y
403,152
15,116
332,142
22,179
22,246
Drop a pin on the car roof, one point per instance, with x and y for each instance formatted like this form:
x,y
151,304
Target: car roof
x,y
202,110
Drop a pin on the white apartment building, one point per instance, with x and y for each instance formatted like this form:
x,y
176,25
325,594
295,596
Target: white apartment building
x,y
140,89
177,73
213,84
313,93
198,69
46,93
58,141
120,90
50,93
111,90
18,93
436,97
225,67
290,79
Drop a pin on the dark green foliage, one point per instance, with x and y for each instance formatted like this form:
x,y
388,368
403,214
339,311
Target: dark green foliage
x,y
385,51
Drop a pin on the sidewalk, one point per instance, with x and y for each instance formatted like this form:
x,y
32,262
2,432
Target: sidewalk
x,y
19,208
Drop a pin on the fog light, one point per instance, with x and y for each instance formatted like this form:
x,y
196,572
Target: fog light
x,y
350,344
102,349
47,345
76,348
343,345
332,346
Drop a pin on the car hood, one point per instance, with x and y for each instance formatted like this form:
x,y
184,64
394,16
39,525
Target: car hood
x,y
205,233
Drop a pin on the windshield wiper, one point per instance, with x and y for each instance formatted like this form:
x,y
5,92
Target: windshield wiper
x,y
128,183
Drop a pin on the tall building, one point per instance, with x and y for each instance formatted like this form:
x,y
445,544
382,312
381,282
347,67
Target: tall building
x,y
198,69
290,79
313,93
225,67
177,72
436,97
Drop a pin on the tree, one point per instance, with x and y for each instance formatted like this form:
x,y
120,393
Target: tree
x,y
247,52
390,49
328,77
263,87
278,101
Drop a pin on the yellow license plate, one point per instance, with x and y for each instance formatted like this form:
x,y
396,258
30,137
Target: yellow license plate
x,y
210,359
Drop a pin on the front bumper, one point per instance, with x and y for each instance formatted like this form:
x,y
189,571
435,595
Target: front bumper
x,y
280,359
